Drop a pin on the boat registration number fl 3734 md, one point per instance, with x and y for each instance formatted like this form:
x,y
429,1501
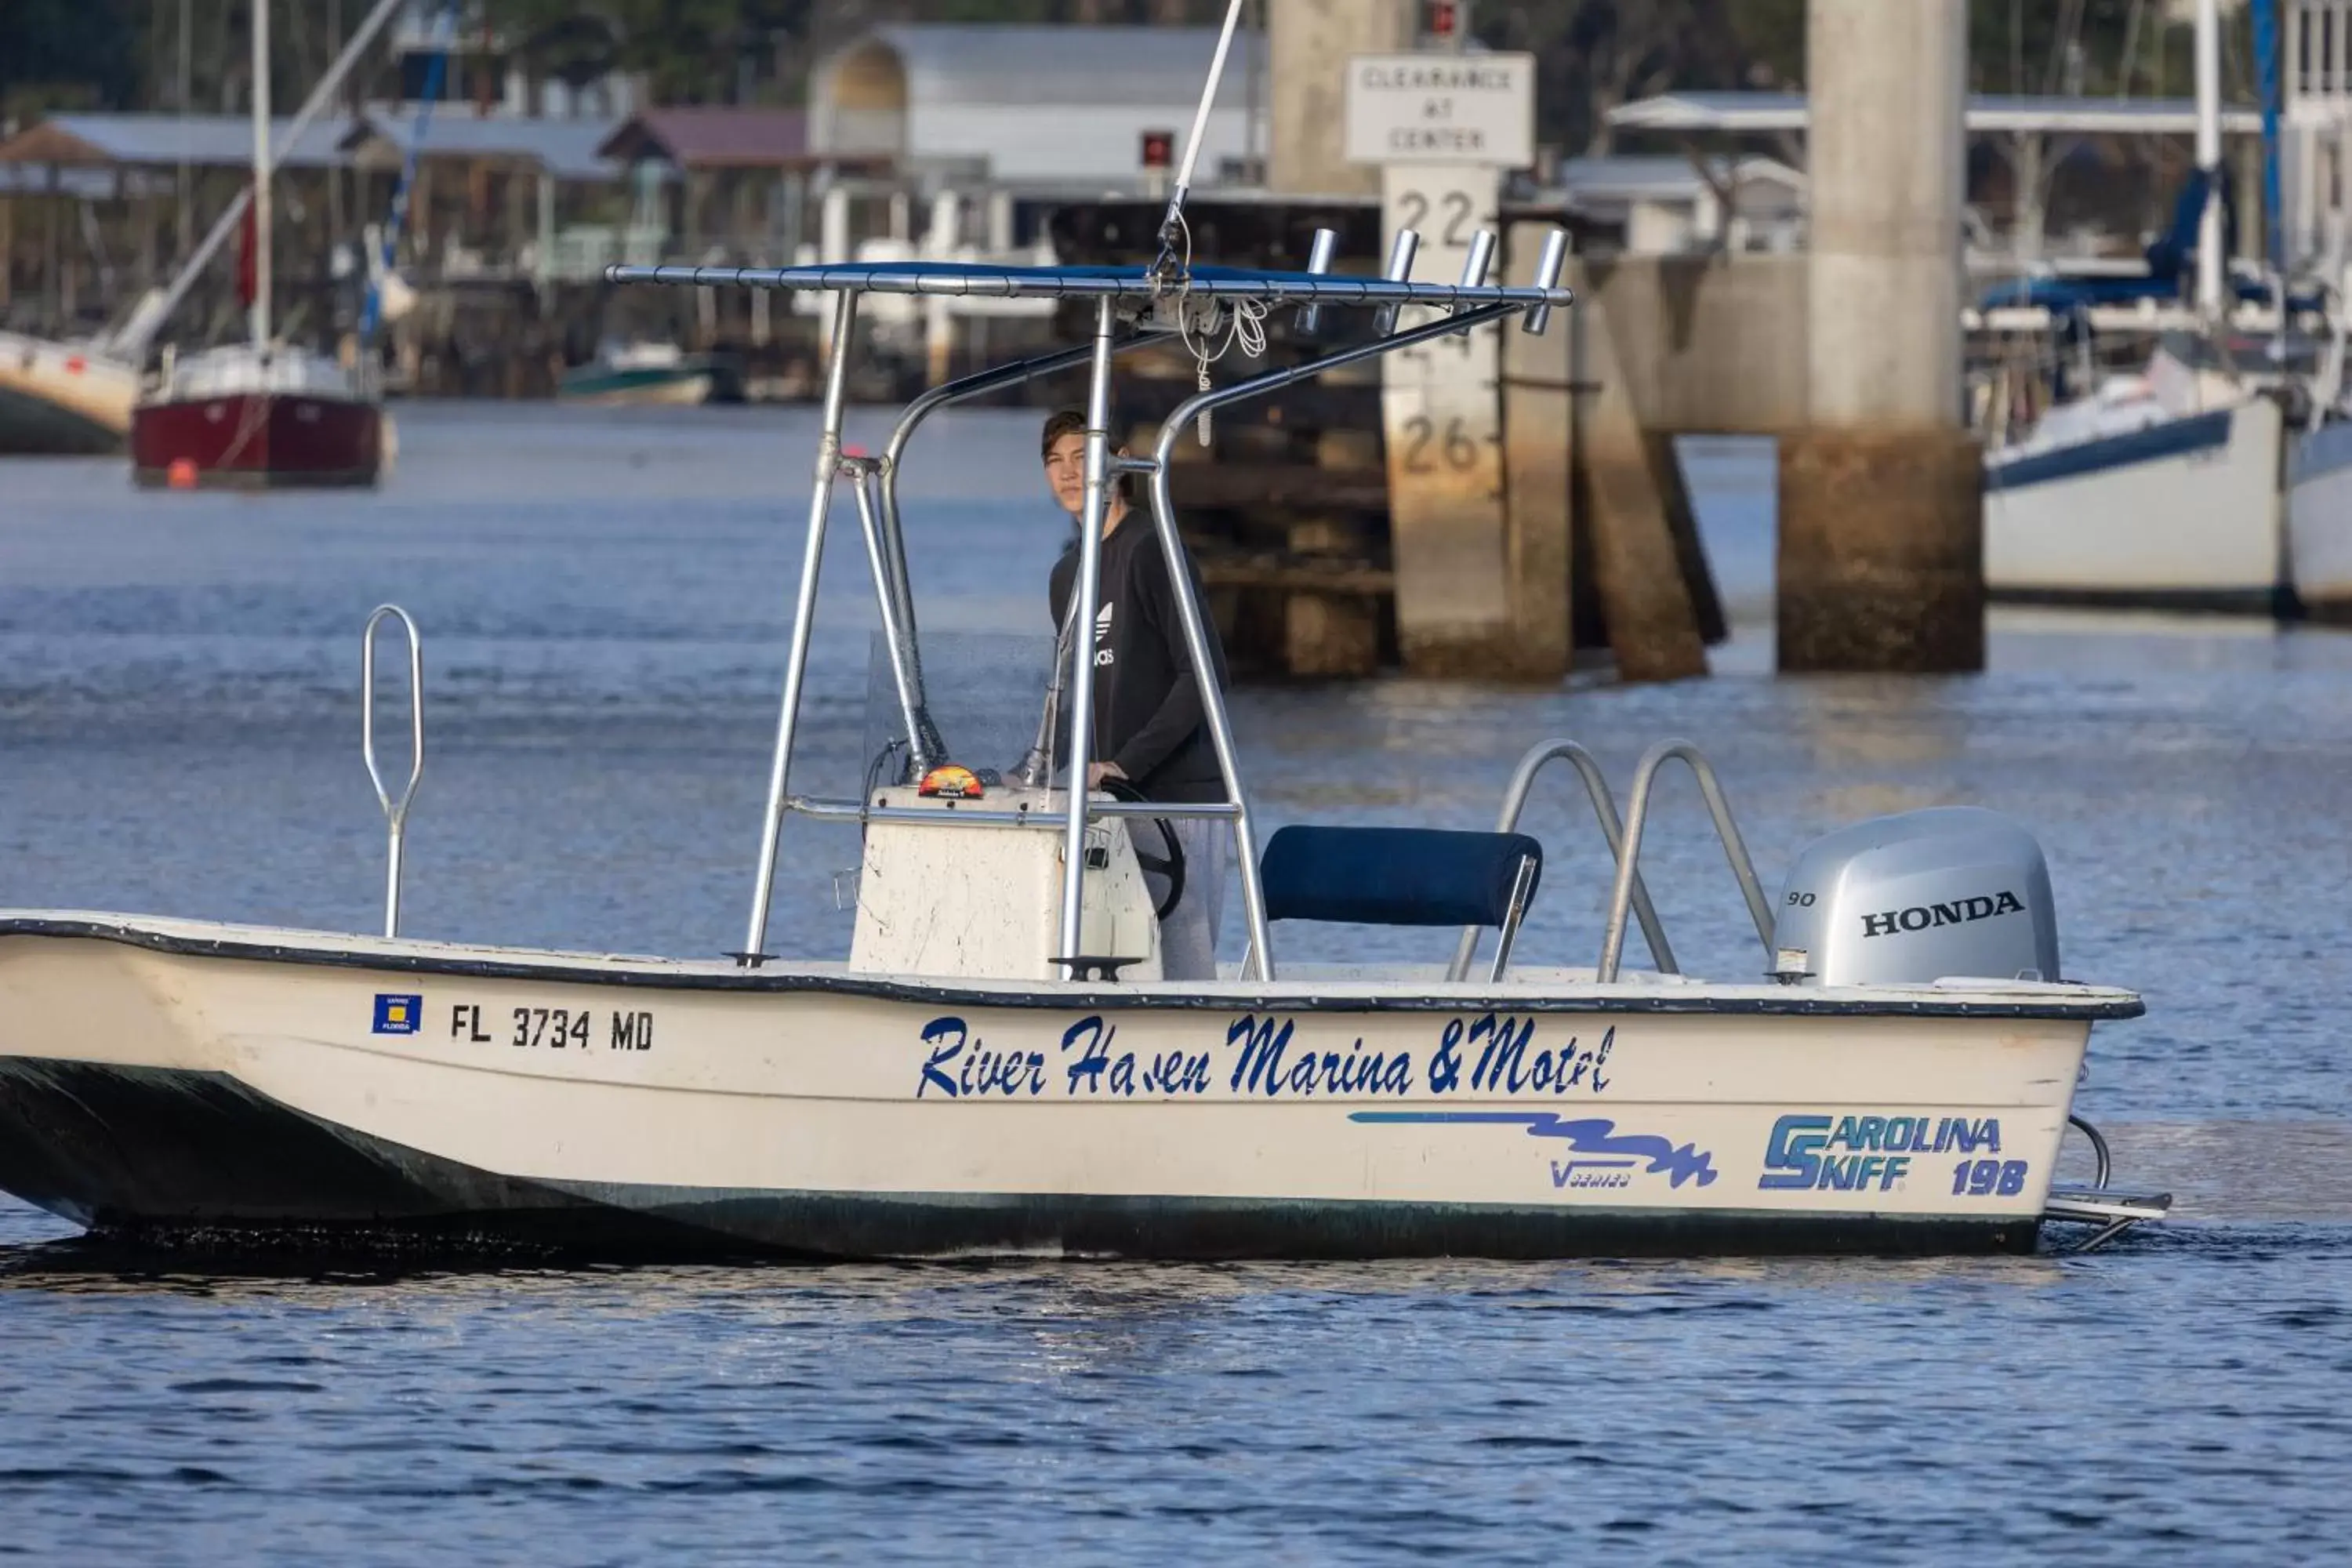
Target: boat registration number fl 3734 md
x,y
999,1067
554,1028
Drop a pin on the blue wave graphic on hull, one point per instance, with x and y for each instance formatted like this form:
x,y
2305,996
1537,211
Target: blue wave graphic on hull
x,y
1584,1135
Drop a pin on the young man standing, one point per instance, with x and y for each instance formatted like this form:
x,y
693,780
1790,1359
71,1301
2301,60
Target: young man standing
x,y
1149,727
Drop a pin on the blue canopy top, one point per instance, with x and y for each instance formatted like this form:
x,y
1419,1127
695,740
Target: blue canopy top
x,y
1092,282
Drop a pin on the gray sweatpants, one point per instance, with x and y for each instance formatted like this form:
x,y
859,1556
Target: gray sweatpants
x,y
1187,937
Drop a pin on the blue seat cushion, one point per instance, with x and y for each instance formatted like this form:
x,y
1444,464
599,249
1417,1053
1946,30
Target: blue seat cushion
x,y
1394,876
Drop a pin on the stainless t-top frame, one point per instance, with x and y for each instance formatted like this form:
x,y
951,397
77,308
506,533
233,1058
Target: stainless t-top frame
x,y
1133,306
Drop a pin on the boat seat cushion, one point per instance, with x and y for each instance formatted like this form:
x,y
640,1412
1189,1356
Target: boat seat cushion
x,y
1395,876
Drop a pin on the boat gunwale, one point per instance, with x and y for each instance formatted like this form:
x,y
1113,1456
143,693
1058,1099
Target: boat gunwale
x,y
265,944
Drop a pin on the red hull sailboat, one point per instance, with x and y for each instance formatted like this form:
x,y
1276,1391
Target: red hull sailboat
x,y
258,420
258,415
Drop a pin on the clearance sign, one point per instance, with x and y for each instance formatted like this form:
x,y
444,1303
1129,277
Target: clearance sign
x,y
1442,109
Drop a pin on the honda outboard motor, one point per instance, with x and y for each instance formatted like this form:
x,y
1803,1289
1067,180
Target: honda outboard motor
x,y
1916,897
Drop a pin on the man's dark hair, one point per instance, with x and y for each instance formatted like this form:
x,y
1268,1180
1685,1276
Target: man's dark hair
x,y
1072,422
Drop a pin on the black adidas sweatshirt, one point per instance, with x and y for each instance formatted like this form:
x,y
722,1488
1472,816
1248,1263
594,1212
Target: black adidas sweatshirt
x,y
1148,714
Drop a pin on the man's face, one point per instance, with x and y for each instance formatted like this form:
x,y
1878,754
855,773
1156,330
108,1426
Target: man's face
x,y
1065,471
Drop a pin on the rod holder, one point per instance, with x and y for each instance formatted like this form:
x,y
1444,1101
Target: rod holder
x,y
1476,266
1319,257
1548,268
395,807
1401,250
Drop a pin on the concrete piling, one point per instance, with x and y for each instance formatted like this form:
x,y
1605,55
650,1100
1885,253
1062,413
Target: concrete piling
x,y
1881,560
1308,43
1886,571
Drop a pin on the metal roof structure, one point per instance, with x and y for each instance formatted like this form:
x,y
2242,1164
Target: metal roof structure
x,y
948,63
82,182
714,138
1765,112
563,149
1665,177
167,141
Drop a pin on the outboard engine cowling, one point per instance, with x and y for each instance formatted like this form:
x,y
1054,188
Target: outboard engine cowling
x,y
1907,899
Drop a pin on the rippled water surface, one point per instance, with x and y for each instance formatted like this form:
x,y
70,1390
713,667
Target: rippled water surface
x,y
603,599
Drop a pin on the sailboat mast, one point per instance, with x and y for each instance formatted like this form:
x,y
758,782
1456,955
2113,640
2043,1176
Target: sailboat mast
x,y
261,174
2210,259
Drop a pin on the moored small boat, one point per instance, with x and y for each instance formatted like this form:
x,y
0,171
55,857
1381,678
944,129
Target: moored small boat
x,y
2150,508
652,374
65,399
2319,520
262,413
244,418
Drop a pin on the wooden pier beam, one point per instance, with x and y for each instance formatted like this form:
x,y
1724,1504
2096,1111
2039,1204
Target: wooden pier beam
x,y
1538,431
1637,565
1881,556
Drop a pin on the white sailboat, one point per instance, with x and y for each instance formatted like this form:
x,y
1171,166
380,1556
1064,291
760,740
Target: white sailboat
x,y
2217,479
2319,520
2160,489
59,396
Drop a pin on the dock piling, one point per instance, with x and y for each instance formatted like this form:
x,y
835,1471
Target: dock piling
x,y
1881,562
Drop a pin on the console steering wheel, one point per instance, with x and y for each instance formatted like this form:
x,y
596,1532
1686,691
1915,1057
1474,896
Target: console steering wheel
x,y
1170,864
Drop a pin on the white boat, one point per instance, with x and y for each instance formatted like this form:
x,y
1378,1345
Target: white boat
x,y
635,374
2130,500
64,398
2319,520
162,1078
998,1067
2183,488
2166,490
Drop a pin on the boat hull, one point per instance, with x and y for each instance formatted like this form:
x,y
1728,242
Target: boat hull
x,y
56,400
258,440
180,1081
669,386
2319,521
2182,515
222,1167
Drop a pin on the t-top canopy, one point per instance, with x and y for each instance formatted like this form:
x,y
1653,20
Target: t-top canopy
x,y
1093,282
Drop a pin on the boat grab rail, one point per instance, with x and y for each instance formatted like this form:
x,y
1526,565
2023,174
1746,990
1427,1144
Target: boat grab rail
x,y
395,807
1604,806
1637,815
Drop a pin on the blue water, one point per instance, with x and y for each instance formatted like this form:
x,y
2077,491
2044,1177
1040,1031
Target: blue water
x,y
603,599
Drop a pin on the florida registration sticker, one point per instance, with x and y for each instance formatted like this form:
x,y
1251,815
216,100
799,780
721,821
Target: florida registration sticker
x,y
398,1014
